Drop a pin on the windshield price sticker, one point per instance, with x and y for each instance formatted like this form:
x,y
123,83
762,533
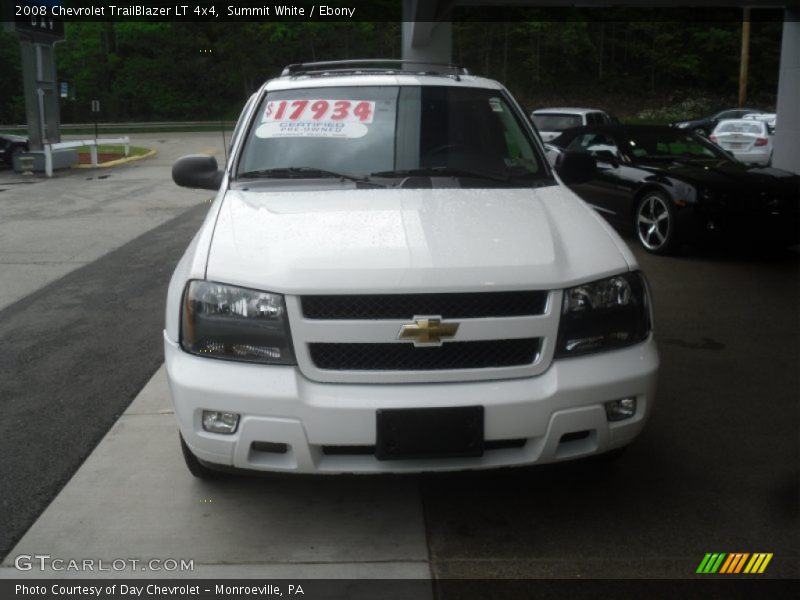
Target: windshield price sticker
x,y
316,118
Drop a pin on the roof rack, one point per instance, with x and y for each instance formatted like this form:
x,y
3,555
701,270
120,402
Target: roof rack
x,y
374,65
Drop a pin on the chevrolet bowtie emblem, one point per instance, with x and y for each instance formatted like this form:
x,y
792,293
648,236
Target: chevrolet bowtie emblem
x,y
427,331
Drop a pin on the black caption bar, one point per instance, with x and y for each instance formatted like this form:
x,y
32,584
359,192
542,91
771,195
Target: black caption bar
x,y
397,589
333,11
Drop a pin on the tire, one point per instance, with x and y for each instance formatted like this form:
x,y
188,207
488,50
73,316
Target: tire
x,y
655,223
194,465
611,456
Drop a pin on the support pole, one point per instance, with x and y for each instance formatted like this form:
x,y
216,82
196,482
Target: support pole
x,y
48,160
786,154
745,57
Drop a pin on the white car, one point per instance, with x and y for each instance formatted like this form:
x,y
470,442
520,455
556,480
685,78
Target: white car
x,y
391,278
771,119
748,140
551,122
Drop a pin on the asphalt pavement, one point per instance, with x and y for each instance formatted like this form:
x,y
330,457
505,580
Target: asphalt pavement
x,y
716,469
50,227
85,258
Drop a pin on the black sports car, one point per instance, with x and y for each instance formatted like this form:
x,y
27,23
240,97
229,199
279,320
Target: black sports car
x,y
705,125
11,145
671,186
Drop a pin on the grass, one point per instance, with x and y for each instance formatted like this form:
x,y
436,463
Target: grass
x,y
102,149
643,121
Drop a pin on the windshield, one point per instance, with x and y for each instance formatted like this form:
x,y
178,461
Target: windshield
x,y
389,131
645,145
556,122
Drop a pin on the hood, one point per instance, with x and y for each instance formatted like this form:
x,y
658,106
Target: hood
x,y
730,174
694,122
396,240
13,138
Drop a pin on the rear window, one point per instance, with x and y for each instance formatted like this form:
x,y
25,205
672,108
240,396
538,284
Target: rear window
x,y
741,127
377,129
556,122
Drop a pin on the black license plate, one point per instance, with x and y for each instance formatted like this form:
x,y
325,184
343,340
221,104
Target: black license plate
x,y
429,432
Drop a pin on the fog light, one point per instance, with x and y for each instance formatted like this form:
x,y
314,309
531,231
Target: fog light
x,y
220,422
618,410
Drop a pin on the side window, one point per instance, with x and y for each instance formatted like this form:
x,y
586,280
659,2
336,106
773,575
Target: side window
x,y
593,119
596,144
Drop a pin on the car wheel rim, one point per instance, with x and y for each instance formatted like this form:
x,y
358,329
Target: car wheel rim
x,y
653,222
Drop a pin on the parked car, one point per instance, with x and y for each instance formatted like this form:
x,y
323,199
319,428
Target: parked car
x,y
705,125
550,122
748,140
771,119
671,186
12,146
391,278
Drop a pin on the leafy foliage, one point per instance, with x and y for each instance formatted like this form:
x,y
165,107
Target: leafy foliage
x,y
198,71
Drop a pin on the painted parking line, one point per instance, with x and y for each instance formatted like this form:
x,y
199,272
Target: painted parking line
x,y
133,499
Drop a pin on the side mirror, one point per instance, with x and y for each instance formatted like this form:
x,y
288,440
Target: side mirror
x,y
607,156
552,153
197,171
576,167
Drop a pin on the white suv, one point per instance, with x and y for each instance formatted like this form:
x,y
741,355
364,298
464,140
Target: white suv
x,y
393,279
552,122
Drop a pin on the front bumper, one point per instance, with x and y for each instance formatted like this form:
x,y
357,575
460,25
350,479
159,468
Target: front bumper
x,y
279,405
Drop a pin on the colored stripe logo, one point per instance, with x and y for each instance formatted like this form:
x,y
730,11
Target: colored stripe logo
x,y
734,563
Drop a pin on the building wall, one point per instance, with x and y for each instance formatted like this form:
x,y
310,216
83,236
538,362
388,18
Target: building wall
x,y
787,138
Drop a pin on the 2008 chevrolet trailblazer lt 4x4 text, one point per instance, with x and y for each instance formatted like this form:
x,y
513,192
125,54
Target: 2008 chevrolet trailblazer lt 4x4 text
x,y
393,279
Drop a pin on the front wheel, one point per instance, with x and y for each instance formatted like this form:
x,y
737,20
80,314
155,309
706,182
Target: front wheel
x,y
655,223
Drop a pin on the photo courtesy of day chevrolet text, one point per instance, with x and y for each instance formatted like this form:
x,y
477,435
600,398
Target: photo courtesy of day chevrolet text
x,y
265,590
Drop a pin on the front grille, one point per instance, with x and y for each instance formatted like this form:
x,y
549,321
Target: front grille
x,y
407,357
406,306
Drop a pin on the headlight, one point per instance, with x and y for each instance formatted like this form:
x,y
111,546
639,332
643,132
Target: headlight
x,y
223,321
682,125
602,315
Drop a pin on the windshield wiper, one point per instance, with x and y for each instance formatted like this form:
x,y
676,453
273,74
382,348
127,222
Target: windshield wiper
x,y
443,172
299,173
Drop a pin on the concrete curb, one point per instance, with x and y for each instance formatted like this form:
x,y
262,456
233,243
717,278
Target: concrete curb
x,y
119,161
